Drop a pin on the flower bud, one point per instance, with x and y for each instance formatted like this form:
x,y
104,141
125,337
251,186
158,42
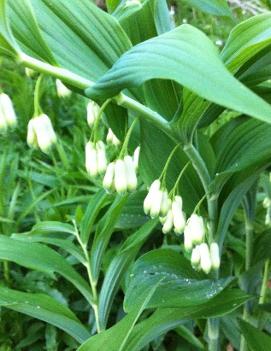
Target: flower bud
x,y
136,157
205,258
195,228
92,112
101,157
155,186
178,215
120,179
130,173
91,159
111,138
132,3
29,72
195,257
109,177
165,204
266,202
62,90
215,257
8,116
40,133
168,223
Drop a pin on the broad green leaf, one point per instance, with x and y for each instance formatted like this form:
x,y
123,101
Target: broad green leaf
x,y
246,40
256,339
179,286
166,319
118,267
188,335
97,202
45,308
118,335
65,244
105,229
190,59
69,28
41,258
52,227
8,45
214,7
262,247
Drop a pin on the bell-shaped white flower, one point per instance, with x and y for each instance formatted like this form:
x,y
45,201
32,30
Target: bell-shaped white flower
x,y
165,204
130,173
92,112
195,257
101,157
178,215
62,90
215,256
188,243
108,181
168,223
195,228
7,114
136,157
120,178
205,258
91,159
156,199
40,133
111,138
155,186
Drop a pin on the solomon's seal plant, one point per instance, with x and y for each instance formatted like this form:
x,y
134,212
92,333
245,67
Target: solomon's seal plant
x,y
156,237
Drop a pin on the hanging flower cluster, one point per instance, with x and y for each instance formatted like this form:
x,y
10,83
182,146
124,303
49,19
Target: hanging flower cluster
x,y
111,138
8,117
169,208
40,133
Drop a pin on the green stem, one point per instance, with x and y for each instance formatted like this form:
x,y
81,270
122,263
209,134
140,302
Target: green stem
x,y
37,95
264,286
249,239
173,191
58,72
97,121
213,334
150,115
124,148
164,171
93,283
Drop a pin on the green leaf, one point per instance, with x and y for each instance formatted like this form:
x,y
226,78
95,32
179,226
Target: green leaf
x,y
41,258
118,335
256,339
97,202
69,28
246,40
262,247
8,45
180,285
190,59
52,227
166,319
214,7
118,267
103,234
45,308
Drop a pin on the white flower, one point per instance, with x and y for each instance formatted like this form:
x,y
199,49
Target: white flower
x,y
136,157
195,257
120,178
62,90
155,186
101,157
40,133
130,3
215,257
165,204
156,199
205,258
108,181
188,243
130,173
178,215
7,114
168,223
266,202
92,112
195,229
111,138
91,159
95,158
